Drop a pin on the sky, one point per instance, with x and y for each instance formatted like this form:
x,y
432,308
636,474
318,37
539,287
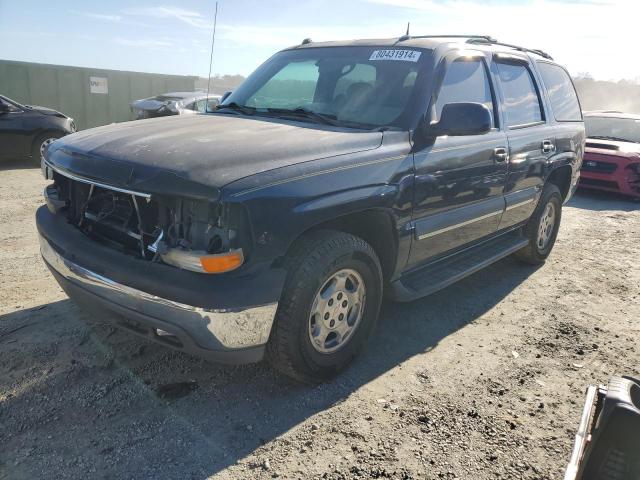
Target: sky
x,y
598,37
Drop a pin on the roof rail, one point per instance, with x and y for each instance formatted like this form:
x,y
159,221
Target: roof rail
x,y
491,41
483,37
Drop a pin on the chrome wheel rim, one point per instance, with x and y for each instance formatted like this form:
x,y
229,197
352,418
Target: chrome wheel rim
x,y
337,310
546,226
45,144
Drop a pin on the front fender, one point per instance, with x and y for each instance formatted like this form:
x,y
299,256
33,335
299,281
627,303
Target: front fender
x,y
281,211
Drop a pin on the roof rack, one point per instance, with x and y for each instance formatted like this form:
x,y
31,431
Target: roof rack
x,y
491,41
483,39
470,37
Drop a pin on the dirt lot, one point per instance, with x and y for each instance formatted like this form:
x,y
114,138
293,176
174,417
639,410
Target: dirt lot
x,y
482,380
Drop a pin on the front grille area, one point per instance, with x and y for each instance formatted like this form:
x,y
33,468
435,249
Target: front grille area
x,y
597,166
121,220
598,183
128,220
146,225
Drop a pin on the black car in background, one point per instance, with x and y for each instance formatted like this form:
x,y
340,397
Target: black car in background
x,y
174,103
26,130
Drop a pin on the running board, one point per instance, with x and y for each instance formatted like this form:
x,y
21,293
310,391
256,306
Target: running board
x,y
442,273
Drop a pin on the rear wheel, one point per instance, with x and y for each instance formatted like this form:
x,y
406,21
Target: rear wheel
x,y
40,145
328,308
542,228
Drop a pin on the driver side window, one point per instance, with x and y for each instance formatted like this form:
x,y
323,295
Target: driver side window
x,y
466,81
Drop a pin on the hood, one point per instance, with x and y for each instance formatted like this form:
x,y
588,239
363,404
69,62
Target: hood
x,y
210,150
46,111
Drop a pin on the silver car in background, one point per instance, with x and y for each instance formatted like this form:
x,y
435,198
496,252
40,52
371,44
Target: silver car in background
x,y
174,103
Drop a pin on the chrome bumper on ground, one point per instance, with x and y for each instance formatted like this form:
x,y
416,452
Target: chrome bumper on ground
x,y
218,331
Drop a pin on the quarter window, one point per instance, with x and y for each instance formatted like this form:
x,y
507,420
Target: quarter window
x,y
466,81
564,101
521,99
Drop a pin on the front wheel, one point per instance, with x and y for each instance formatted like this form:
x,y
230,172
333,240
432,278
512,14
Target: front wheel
x,y
328,308
542,228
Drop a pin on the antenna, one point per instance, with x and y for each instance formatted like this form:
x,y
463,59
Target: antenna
x,y
213,41
406,36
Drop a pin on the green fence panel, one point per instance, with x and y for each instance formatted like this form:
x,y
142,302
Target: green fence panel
x,y
92,97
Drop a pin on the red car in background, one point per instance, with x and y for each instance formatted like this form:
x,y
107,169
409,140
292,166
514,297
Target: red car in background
x,y
612,155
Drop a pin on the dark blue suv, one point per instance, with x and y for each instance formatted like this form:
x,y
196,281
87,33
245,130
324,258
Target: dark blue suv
x,y
336,174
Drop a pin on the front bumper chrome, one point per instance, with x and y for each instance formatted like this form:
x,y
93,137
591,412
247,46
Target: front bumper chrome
x,y
220,331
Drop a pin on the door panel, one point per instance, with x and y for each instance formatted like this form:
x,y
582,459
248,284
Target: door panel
x,y
530,135
458,193
527,163
13,140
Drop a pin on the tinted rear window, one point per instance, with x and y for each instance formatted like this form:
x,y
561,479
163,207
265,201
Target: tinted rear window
x,y
564,101
521,101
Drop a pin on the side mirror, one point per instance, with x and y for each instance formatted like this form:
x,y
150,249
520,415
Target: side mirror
x,y
459,119
224,96
4,108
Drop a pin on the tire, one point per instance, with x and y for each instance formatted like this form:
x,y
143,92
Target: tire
x,y
540,246
39,143
317,266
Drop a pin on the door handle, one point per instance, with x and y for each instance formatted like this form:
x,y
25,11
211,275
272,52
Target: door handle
x,y
547,146
500,154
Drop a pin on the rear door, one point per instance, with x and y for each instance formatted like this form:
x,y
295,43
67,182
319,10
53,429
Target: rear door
x,y
530,133
564,107
459,180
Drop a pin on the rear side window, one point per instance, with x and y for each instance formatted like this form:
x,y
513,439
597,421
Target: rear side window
x,y
465,81
564,101
521,100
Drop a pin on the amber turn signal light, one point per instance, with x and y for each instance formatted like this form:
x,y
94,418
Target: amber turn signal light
x,y
222,262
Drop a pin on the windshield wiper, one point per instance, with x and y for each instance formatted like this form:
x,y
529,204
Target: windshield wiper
x,y
237,108
614,139
306,113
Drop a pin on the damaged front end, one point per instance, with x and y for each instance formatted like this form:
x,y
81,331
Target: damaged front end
x,y
189,232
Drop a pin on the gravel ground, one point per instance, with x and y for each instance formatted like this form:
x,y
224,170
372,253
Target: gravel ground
x,y
482,380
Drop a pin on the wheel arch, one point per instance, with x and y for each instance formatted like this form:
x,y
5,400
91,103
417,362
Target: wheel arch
x,y
561,177
376,226
42,133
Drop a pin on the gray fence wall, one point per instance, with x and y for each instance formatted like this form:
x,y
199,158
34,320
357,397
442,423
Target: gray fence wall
x,y
92,97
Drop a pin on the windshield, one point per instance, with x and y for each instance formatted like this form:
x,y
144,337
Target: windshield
x,y
366,87
622,129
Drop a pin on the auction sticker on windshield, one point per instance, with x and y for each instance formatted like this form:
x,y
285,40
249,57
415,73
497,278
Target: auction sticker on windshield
x,y
401,55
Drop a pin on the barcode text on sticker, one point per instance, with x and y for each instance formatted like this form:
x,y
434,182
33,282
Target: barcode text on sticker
x,y
398,55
